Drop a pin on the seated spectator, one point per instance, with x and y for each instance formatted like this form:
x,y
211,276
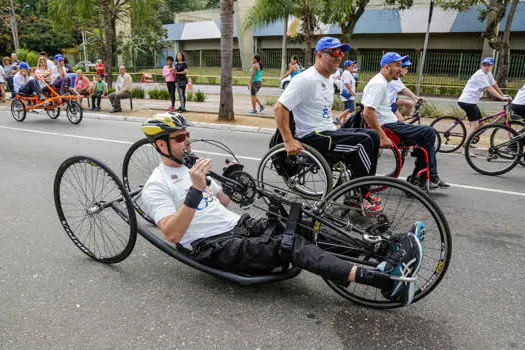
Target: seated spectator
x,y
124,88
25,84
69,69
41,72
100,89
60,78
82,84
49,63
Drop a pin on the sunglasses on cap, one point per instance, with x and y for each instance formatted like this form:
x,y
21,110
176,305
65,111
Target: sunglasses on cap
x,y
180,137
334,53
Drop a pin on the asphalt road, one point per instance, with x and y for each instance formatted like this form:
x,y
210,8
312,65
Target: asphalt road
x,y
53,296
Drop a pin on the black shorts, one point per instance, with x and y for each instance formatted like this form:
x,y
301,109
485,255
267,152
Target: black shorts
x,y
254,89
472,111
518,109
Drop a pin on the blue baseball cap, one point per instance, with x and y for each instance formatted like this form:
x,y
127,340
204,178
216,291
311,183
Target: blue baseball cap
x,y
488,60
406,62
348,62
24,65
59,57
330,43
390,57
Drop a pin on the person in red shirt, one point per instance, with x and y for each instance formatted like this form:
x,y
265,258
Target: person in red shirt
x,y
82,84
99,67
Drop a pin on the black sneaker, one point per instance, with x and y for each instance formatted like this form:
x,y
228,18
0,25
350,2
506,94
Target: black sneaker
x,y
438,183
403,263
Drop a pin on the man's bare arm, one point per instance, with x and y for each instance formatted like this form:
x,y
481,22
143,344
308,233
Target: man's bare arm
x,y
282,118
371,119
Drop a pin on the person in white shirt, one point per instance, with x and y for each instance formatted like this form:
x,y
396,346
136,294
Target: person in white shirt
x,y
396,87
309,97
348,90
477,84
25,84
2,83
378,114
193,214
59,74
518,105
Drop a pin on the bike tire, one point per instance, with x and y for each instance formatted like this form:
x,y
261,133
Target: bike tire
x,y
472,159
139,162
74,112
80,205
443,127
53,113
18,110
270,173
437,244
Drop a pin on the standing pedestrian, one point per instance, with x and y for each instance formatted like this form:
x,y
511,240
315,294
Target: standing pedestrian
x,y
294,68
124,89
2,83
99,68
256,83
100,89
10,71
348,90
181,71
169,74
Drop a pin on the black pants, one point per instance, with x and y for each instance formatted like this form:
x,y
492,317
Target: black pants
x,y
249,249
171,90
181,89
10,85
518,109
96,97
31,88
357,148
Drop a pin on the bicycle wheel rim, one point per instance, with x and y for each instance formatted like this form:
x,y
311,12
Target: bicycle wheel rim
x,y
18,110
74,112
53,113
489,152
313,180
82,188
140,161
403,204
451,136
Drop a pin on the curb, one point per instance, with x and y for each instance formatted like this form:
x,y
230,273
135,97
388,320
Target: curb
x,y
124,118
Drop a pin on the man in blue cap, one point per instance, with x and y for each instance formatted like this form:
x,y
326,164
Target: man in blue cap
x,y
472,92
396,87
25,84
310,96
378,113
348,90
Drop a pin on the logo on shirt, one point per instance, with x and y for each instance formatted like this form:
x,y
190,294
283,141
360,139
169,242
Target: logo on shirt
x,y
326,112
207,198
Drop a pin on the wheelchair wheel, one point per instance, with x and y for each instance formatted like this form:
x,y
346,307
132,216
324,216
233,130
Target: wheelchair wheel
x,y
53,113
389,162
493,153
140,161
74,112
452,133
306,175
366,240
18,110
95,209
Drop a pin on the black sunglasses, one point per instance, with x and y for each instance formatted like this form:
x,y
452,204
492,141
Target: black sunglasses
x,y
180,137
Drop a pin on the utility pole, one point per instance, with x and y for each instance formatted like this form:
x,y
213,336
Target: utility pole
x,y
425,45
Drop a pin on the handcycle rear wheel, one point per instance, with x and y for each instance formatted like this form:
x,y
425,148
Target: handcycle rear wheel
x,y
403,204
74,112
87,195
307,175
18,110
139,162
53,113
493,153
451,137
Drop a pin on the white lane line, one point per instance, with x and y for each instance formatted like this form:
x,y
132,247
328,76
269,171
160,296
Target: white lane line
x,y
484,189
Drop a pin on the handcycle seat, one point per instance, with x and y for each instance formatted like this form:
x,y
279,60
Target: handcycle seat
x,y
22,94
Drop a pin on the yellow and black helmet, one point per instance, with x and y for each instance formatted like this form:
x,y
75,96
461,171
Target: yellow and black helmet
x,y
163,124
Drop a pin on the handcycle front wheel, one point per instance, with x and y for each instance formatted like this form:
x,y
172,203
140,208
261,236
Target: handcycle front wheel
x,y
491,151
18,110
74,112
139,162
306,175
53,113
451,134
403,205
90,201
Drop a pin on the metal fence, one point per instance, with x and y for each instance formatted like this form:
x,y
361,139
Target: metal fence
x,y
445,72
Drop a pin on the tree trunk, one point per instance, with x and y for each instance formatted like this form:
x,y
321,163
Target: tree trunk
x,y
347,28
284,61
14,28
226,99
108,43
308,29
504,53
496,11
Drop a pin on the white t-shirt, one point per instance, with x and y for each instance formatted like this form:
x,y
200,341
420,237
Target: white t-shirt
x,y
476,86
55,72
520,97
348,78
165,192
310,96
376,96
395,87
1,74
50,64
